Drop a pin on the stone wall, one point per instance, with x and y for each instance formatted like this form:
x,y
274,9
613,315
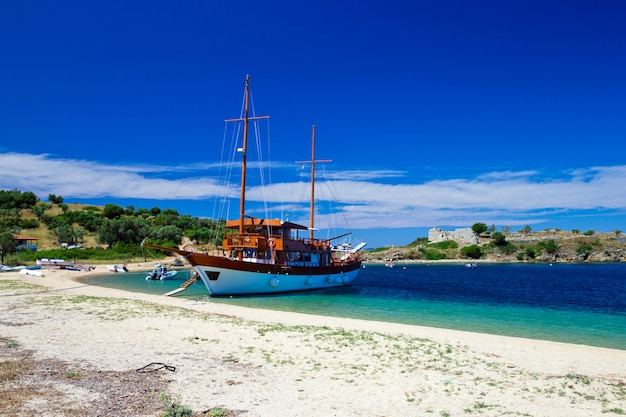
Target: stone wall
x,y
464,236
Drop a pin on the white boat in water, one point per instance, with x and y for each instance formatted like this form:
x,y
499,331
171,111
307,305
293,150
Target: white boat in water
x,y
160,273
261,255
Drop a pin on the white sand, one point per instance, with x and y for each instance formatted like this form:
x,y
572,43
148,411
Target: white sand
x,y
289,364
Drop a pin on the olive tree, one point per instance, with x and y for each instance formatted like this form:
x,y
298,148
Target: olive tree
x,y
479,228
8,243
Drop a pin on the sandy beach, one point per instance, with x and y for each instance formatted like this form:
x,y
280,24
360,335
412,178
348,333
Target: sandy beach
x,y
264,363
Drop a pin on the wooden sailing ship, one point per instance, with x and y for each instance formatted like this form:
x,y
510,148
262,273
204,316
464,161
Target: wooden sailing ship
x,y
261,256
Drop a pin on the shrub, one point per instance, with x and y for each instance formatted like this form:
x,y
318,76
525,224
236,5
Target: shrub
x,y
549,246
584,250
448,244
29,224
508,248
499,239
419,241
472,251
432,254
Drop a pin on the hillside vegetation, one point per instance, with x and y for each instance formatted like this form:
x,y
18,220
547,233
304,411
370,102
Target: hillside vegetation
x,y
522,246
109,232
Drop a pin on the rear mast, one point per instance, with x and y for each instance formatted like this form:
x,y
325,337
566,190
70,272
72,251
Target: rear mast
x,y
312,162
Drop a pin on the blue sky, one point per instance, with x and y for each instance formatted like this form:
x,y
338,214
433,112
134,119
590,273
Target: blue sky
x,y
434,113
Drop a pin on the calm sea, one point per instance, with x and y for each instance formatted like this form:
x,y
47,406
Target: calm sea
x,y
573,303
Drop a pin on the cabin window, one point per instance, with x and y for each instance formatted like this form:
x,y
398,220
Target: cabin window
x,y
294,256
213,275
303,258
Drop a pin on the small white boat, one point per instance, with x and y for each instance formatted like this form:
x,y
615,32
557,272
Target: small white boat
x,y
6,268
54,263
160,273
31,272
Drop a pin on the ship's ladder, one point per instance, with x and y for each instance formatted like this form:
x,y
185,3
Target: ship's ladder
x,y
183,286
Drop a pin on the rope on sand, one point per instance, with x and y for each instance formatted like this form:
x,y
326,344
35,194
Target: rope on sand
x,y
155,366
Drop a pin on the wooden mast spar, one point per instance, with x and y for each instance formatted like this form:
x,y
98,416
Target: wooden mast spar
x,y
244,151
312,162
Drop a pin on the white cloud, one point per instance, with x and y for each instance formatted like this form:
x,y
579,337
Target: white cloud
x,y
500,197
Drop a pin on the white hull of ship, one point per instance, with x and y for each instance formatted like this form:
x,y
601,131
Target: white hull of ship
x,y
234,282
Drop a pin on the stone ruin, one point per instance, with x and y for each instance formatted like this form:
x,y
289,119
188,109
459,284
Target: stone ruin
x,y
463,236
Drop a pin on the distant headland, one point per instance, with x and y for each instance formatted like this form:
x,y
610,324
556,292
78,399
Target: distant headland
x,y
480,243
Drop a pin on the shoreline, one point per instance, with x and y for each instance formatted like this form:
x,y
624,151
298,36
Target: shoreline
x,y
561,334
320,356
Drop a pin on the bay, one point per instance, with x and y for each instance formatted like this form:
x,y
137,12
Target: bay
x,y
571,303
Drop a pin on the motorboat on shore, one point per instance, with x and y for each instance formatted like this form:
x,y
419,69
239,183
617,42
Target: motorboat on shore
x,y
61,264
7,268
265,256
117,268
54,263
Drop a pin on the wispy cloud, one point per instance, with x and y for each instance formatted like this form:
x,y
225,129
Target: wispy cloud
x,y
500,197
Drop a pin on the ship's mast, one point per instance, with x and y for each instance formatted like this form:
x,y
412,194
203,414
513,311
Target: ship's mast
x,y
312,220
312,162
244,154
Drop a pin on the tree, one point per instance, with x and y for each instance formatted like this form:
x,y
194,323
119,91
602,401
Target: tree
x,y
142,212
166,217
113,211
479,228
526,230
169,233
39,210
66,233
55,199
186,222
125,230
15,199
8,244
89,220
10,218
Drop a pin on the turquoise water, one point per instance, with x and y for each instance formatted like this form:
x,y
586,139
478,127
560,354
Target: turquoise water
x,y
583,304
